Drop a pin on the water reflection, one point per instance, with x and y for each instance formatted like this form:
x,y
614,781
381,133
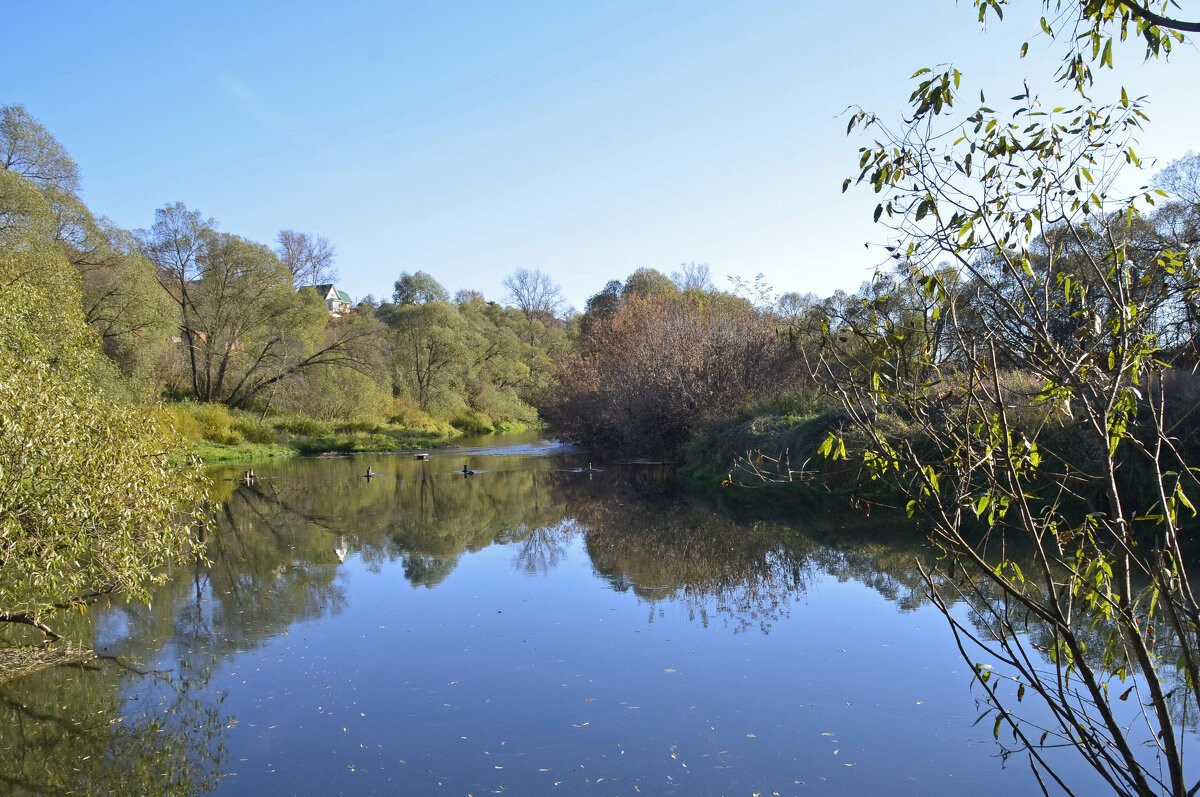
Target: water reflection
x,y
106,728
251,661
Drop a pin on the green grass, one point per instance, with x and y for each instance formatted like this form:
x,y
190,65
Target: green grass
x,y
219,434
394,439
242,452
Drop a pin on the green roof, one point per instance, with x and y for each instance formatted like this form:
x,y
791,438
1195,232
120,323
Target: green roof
x,y
345,297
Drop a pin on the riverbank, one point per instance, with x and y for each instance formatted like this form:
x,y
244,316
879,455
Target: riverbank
x,y
215,433
768,458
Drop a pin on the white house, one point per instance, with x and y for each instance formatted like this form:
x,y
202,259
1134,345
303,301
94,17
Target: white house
x,y
337,301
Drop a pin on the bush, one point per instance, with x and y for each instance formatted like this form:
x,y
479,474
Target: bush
x,y
794,404
656,370
360,426
302,425
179,417
252,429
406,414
473,422
197,422
88,498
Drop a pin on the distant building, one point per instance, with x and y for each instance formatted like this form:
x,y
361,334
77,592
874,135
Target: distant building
x,y
337,301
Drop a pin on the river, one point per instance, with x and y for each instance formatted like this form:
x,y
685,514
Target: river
x,y
548,624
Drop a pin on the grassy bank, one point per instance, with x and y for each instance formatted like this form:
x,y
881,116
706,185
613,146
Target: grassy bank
x,y
767,458
220,434
766,447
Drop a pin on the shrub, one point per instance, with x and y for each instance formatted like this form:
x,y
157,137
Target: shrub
x,y
473,422
360,426
302,425
252,429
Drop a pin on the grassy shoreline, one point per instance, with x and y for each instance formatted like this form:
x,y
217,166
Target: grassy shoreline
x,y
305,446
218,434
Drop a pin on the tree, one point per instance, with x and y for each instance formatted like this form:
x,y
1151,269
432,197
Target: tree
x,y
468,296
657,368
430,345
38,200
122,299
29,150
1181,179
600,305
693,277
1015,436
495,369
418,288
647,282
244,330
797,318
90,503
308,259
251,330
534,294
175,244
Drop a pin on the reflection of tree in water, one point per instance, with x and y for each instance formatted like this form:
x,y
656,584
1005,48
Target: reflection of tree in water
x,y
652,537
111,727
891,567
643,533
273,562
665,546
434,519
427,571
425,515
101,729
542,548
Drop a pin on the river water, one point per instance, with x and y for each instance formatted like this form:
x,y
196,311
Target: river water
x,y
541,626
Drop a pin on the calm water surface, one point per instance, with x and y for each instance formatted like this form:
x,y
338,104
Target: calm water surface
x,y
533,628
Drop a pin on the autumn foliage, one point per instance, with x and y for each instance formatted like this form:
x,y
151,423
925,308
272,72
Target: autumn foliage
x,y
655,368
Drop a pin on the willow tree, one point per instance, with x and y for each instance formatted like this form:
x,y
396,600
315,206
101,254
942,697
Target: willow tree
x,y
90,503
1004,434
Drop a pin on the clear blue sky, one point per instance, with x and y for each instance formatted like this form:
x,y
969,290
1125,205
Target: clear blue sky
x,y
471,139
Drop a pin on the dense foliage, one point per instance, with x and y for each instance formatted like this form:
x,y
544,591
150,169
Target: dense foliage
x,y
655,367
88,501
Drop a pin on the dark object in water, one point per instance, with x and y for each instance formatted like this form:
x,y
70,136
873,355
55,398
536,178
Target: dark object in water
x,y
422,455
466,471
